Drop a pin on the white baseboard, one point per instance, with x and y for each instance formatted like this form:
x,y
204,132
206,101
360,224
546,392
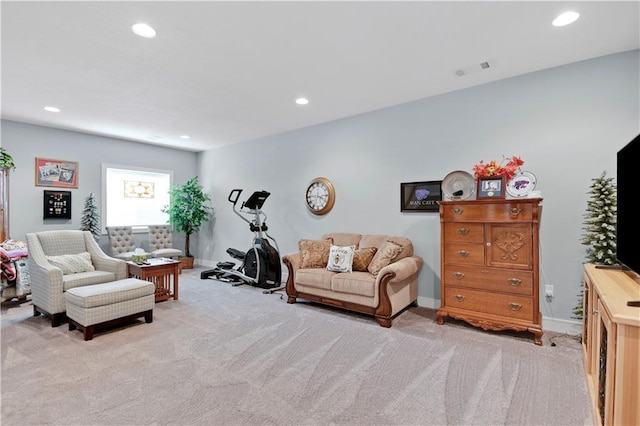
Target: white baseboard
x,y
572,327
206,263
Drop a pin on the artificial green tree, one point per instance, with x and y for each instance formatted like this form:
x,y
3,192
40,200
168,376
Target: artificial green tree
x,y
6,160
90,217
188,209
600,226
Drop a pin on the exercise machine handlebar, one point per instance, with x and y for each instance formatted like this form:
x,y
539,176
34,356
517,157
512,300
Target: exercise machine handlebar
x,y
234,195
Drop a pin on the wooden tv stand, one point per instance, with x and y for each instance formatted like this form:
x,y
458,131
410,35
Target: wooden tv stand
x,y
611,344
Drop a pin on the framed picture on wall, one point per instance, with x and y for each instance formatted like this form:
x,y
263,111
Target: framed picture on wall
x,y
56,173
420,196
57,205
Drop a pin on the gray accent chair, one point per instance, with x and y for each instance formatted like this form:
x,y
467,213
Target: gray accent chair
x,y
48,282
161,242
121,242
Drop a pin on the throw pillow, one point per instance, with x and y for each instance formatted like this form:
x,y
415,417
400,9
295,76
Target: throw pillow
x,y
341,258
314,253
362,258
72,263
384,256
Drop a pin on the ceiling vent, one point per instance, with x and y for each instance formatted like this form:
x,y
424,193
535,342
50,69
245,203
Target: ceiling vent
x,y
471,69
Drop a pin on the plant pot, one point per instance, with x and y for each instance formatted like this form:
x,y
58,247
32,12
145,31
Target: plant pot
x,y
186,262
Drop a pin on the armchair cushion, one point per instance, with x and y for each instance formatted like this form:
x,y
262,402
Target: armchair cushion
x,y
72,263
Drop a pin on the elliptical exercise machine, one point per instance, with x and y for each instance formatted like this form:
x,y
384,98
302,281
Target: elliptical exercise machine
x,y
260,265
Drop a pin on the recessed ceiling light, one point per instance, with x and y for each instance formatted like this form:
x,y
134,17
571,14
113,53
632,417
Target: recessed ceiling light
x,y
51,109
302,101
185,137
144,30
565,19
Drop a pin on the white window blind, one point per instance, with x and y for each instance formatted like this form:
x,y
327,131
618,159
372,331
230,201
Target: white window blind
x,y
134,196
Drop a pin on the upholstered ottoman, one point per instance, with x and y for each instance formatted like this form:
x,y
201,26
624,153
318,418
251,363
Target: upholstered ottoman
x,y
99,305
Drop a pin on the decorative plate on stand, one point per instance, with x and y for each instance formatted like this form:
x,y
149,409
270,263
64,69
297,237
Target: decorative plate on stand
x,y
458,185
521,184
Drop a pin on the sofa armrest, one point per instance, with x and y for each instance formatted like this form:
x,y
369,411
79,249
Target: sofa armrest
x,y
402,269
403,277
46,279
293,259
293,262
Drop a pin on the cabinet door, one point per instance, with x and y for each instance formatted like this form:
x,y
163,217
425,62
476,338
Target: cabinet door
x,y
510,246
587,326
606,353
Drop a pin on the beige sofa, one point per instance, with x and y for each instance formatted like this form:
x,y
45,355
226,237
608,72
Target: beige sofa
x,y
371,288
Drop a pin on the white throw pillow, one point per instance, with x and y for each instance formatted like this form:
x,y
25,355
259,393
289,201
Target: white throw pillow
x,y
72,263
341,258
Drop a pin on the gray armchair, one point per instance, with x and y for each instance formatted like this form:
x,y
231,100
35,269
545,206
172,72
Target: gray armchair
x,y
121,242
60,260
161,242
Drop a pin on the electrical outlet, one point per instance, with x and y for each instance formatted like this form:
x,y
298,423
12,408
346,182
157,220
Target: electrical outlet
x,y
548,290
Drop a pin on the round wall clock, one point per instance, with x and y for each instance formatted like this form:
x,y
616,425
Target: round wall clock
x,y
320,196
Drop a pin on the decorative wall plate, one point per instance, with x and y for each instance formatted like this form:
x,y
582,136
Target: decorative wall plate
x,y
521,184
458,185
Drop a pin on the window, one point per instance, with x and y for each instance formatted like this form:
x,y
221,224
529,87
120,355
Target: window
x,y
134,196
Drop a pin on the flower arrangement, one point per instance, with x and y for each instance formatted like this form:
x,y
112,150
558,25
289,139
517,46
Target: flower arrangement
x,y
507,168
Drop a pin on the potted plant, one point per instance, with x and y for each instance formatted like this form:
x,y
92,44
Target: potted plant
x,y
189,208
6,160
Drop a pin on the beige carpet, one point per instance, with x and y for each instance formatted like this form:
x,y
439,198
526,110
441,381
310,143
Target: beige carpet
x,y
224,355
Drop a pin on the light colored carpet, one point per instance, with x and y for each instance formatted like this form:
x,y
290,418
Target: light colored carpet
x,y
224,355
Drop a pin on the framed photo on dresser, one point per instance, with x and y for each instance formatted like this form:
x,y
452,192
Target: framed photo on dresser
x,y
491,187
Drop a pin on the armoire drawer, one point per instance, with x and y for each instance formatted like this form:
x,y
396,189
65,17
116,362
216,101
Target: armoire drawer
x,y
464,253
505,305
498,212
489,279
463,232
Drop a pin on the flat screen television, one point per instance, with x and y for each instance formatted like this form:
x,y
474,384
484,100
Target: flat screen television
x,y
628,219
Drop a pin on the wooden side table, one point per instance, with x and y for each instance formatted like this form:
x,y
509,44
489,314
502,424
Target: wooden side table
x,y
160,272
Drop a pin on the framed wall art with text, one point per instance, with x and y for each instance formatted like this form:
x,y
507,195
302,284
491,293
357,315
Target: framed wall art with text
x,y
420,196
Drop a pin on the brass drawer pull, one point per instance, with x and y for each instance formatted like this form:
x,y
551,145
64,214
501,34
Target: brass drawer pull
x,y
463,253
457,210
515,306
514,281
463,231
514,211
459,297
458,275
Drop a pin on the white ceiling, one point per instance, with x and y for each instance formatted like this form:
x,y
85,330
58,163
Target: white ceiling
x,y
226,72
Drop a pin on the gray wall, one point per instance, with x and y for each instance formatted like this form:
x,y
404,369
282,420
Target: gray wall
x,y
566,123
26,142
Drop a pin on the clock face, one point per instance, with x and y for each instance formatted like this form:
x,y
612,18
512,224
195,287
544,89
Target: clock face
x,y
320,196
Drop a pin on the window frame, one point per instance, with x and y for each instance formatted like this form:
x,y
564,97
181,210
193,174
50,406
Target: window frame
x,y
137,229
